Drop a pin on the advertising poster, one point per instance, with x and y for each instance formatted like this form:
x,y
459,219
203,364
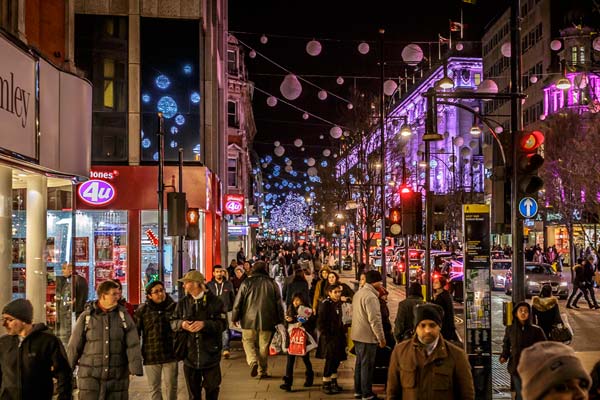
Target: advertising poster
x,y
103,246
82,249
50,252
102,273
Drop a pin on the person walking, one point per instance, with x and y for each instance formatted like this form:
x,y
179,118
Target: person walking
x,y
224,290
31,357
367,332
231,269
291,319
404,326
578,285
198,321
332,341
106,347
258,309
517,337
347,293
587,285
153,321
427,366
71,296
545,309
295,284
317,289
443,298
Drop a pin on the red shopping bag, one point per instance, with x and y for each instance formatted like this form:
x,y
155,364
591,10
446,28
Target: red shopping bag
x,y
297,345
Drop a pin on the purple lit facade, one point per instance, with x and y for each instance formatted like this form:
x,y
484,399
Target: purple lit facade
x,y
583,94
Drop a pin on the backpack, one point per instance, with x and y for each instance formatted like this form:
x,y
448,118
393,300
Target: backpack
x,y
87,322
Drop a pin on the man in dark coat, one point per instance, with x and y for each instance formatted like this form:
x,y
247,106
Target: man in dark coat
x,y
578,285
404,326
443,298
517,337
106,346
153,320
71,296
224,290
258,308
587,284
31,356
200,319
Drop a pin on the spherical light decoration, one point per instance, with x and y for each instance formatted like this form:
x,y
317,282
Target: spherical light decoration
x,y
264,165
326,152
310,162
465,152
195,97
460,46
279,151
271,101
173,144
334,155
288,168
363,48
336,132
174,130
290,88
305,116
288,161
298,142
339,80
346,133
542,117
389,87
321,137
155,156
167,106
533,79
473,144
498,129
264,39
252,54
322,95
596,43
555,45
162,82
302,149
312,171
488,86
313,48
187,69
180,119
459,141
146,98
505,49
146,143
276,143
412,54
350,106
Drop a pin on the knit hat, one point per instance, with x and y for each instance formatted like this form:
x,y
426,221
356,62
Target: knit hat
x,y
151,286
415,289
20,309
373,276
192,276
429,311
546,364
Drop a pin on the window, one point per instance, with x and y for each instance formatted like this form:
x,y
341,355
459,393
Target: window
x,y
232,117
232,65
232,180
109,83
574,55
8,15
582,54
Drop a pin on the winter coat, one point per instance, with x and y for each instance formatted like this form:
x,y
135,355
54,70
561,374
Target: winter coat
x,y
81,290
404,326
579,278
546,313
367,325
319,293
518,337
258,303
444,374
203,347
293,287
106,346
444,299
153,322
223,291
332,341
238,282
27,368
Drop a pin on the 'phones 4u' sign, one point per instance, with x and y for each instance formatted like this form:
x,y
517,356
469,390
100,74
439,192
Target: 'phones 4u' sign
x,y
96,192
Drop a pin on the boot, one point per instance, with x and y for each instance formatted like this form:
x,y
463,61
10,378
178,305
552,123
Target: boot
x,y
287,384
310,377
335,388
326,388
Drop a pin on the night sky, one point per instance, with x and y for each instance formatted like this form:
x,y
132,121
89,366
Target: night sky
x,y
340,27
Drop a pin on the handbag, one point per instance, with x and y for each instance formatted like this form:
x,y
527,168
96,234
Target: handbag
x,y
560,333
180,348
346,313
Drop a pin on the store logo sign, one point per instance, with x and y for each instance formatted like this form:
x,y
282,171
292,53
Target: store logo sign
x,y
96,192
234,204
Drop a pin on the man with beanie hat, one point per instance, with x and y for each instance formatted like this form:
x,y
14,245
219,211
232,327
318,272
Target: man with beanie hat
x,y
551,370
367,333
517,337
428,367
404,326
31,357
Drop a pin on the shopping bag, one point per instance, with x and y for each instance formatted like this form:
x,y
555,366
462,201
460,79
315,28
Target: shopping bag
x,y
346,313
278,341
311,343
597,278
298,339
560,333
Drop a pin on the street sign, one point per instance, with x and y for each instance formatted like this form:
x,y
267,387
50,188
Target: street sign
x,y
528,207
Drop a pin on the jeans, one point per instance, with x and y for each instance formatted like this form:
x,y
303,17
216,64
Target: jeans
x,y
517,385
364,368
207,378
169,373
256,347
289,367
227,333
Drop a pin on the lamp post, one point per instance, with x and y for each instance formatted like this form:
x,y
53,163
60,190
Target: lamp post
x,y
382,170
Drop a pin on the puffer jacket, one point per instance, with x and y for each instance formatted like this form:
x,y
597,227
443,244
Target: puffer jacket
x,y
203,347
258,303
106,346
404,326
153,322
518,337
27,368
546,313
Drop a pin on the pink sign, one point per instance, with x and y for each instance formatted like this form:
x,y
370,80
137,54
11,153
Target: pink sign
x,y
96,192
234,204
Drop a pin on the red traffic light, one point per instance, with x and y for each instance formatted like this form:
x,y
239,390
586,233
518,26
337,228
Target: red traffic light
x,y
531,141
405,190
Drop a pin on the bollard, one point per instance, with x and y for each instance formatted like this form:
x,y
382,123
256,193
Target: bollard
x,y
507,313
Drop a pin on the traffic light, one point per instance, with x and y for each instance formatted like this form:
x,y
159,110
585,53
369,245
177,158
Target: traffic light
x,y
193,230
529,162
394,222
412,216
176,206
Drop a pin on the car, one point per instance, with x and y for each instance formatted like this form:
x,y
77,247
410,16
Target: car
x,y
536,276
347,263
500,268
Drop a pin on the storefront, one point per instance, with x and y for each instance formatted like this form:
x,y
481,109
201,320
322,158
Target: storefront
x,y
117,226
45,143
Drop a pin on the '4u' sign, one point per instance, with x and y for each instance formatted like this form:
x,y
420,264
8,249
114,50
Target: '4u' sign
x,y
96,192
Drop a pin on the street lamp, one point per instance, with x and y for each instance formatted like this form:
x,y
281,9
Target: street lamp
x,y
446,82
563,83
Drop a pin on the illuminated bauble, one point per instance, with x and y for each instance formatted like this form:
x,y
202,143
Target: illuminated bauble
x,y
167,106
321,137
555,45
473,144
290,88
288,168
322,95
533,79
334,155
596,43
350,106
298,142
162,82
313,48
288,162
301,148
363,48
252,54
305,116
460,46
465,152
146,143
336,132
542,117
498,129
312,171
271,101
195,97
264,39
505,49
412,54
346,133
265,165
488,86
276,143
339,80
459,141
310,162
279,151
326,152
389,87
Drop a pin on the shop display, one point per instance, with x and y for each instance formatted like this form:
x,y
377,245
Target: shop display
x,y
82,249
